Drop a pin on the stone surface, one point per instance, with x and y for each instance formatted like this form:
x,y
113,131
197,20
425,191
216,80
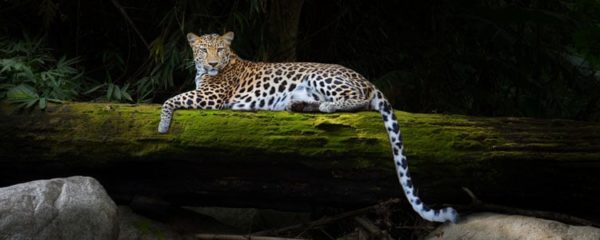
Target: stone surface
x,y
136,227
490,226
62,208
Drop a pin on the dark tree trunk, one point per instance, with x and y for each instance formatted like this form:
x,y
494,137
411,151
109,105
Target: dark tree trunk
x,y
284,17
293,160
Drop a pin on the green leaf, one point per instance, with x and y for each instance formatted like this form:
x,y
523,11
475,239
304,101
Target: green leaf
x,y
29,103
117,93
54,100
21,93
127,96
109,92
43,103
124,88
6,86
94,89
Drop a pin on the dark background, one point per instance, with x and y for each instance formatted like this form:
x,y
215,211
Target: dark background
x,y
488,58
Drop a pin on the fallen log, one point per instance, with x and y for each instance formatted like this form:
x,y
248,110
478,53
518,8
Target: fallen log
x,y
294,160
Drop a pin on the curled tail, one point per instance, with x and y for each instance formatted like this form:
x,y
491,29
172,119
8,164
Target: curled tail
x,y
381,104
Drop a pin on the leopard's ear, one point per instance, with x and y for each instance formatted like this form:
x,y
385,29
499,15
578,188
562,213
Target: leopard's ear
x,y
228,37
191,37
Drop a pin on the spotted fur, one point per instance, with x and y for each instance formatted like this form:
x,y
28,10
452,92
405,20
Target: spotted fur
x,y
226,81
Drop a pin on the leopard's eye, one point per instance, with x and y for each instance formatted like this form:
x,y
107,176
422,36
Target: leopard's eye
x,y
220,49
203,49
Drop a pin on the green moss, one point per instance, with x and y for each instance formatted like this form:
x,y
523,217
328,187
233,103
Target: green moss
x,y
304,135
358,140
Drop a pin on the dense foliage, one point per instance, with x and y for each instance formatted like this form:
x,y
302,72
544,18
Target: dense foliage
x,y
30,74
488,57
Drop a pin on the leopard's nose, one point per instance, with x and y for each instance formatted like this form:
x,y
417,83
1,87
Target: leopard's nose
x,y
213,64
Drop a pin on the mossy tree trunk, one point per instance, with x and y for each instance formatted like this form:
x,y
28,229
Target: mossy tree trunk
x,y
293,160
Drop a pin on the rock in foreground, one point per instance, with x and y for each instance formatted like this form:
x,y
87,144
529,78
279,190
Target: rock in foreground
x,y
61,208
490,226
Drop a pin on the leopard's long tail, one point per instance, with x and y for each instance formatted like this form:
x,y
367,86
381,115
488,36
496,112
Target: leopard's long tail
x,y
382,105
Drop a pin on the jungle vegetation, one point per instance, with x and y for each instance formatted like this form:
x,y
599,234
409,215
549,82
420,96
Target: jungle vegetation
x,y
533,58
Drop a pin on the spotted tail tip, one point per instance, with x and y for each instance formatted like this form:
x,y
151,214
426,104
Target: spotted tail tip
x,y
453,216
439,215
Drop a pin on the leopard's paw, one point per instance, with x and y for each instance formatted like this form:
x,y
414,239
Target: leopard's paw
x,y
163,127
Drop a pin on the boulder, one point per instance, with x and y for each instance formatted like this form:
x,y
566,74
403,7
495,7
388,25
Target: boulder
x,y
490,226
62,208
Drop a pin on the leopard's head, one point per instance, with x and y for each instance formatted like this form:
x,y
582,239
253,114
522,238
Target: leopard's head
x,y
211,51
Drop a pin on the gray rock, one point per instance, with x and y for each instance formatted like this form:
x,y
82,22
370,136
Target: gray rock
x,y
62,208
490,226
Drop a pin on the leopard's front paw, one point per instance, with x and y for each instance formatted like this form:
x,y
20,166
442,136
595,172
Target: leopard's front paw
x,y
163,126
327,107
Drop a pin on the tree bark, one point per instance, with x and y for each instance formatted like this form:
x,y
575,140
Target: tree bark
x,y
284,18
295,161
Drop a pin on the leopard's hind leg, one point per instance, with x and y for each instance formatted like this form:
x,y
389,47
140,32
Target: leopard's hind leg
x,y
350,100
304,99
347,105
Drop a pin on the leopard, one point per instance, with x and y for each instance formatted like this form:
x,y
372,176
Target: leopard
x,y
226,81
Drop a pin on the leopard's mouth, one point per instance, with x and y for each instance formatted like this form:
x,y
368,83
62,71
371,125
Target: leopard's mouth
x,y
212,72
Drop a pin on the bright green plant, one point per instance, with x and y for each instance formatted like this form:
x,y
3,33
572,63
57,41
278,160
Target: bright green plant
x,y
30,75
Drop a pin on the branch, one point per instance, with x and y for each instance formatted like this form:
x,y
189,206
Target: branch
x,y
130,22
